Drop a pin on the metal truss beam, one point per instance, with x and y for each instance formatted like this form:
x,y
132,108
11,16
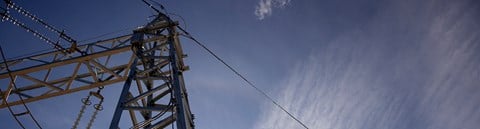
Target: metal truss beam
x,y
149,62
39,73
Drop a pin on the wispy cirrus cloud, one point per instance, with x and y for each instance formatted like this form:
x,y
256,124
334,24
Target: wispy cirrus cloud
x,y
420,72
265,7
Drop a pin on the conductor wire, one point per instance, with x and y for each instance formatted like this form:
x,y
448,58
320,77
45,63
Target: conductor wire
x,y
187,35
15,86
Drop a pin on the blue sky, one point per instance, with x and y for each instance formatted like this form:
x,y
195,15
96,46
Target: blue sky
x,y
359,64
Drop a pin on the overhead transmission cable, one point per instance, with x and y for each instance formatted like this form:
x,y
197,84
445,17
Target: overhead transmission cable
x,y
11,111
105,34
166,12
34,32
21,98
81,41
61,33
187,35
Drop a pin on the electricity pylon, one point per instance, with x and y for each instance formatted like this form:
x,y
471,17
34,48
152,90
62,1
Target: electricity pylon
x,y
149,62
160,74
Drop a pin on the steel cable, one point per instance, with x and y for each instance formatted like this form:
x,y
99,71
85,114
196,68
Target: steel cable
x,y
11,111
15,86
187,35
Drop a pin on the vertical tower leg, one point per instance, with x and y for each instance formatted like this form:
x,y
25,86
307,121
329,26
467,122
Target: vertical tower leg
x,y
160,87
126,87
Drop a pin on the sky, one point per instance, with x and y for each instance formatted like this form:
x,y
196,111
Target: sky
x,y
334,64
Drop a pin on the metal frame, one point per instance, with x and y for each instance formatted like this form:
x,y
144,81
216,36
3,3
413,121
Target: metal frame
x,y
55,73
154,65
159,82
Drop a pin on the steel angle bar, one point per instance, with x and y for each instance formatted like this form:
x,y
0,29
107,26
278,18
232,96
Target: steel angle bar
x,y
149,108
163,123
145,94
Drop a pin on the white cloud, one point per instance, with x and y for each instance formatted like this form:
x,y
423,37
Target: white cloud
x,y
383,78
264,7
327,90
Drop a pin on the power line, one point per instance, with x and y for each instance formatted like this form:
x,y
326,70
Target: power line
x,y
81,41
61,33
181,18
15,86
187,35
34,32
151,6
105,34
11,111
29,54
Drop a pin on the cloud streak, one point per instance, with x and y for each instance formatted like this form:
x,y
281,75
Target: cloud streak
x,y
264,7
417,73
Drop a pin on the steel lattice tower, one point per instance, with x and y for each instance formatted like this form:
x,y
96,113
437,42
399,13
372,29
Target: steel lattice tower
x,y
151,67
160,74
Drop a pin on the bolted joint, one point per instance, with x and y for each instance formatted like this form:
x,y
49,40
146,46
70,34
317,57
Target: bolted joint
x,y
72,48
184,68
